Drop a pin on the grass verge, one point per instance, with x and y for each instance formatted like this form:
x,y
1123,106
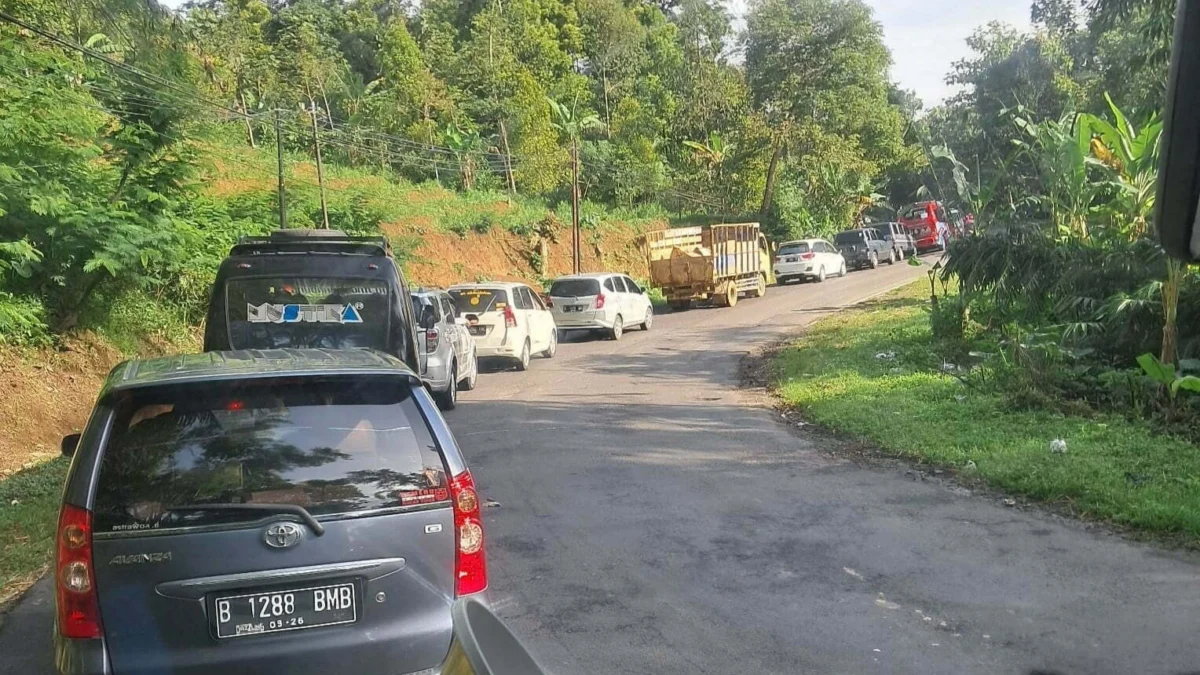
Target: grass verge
x,y
872,372
28,514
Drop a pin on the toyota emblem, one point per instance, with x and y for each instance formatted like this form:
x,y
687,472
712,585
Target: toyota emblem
x,y
283,535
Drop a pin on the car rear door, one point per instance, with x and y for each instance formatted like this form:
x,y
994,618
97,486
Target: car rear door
x,y
574,300
483,307
195,572
460,338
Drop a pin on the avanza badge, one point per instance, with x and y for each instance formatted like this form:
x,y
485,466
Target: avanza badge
x,y
270,313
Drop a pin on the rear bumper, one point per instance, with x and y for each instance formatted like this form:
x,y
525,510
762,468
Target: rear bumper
x,y
488,351
567,322
794,270
80,657
437,372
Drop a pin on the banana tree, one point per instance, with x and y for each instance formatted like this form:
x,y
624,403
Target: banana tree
x,y
712,155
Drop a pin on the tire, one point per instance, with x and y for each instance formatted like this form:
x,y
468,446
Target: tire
x,y
891,256
523,359
448,400
731,295
761,289
549,352
618,328
842,270
874,260
649,318
899,255
821,275
468,384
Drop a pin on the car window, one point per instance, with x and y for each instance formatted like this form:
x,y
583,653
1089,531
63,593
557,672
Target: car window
x,y
448,311
524,298
793,249
574,288
608,284
849,237
331,447
333,313
430,302
631,286
537,301
619,284
479,300
818,247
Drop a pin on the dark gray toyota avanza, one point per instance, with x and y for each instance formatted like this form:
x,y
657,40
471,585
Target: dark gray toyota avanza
x,y
278,511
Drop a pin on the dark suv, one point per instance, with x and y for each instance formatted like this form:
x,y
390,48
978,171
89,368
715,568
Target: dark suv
x,y
901,240
278,511
864,248
320,289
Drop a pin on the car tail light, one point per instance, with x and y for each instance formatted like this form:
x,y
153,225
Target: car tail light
x,y
510,317
807,256
470,566
75,580
431,340
600,301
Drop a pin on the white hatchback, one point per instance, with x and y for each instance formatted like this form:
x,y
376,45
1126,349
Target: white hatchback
x,y
808,259
507,320
607,302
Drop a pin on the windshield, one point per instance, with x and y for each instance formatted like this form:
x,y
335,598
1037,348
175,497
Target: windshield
x,y
479,300
570,288
849,238
793,249
328,447
296,312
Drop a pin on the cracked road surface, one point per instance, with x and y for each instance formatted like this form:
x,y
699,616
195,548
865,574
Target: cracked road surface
x,y
654,518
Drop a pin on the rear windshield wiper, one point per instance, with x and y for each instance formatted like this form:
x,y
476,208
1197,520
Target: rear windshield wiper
x,y
317,528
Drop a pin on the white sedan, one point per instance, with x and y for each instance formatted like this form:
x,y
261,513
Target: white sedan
x,y
808,259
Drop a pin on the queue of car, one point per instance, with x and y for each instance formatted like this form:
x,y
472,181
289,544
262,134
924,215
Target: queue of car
x,y
291,500
860,248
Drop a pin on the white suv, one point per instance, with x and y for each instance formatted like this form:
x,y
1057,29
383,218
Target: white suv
x,y
607,302
507,320
808,259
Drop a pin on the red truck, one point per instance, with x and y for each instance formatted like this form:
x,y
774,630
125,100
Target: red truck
x,y
928,224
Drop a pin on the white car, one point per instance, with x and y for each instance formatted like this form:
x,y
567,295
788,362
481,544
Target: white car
x,y
808,259
607,302
507,320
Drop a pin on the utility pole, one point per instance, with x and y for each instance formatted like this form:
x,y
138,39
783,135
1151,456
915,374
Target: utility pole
x,y
577,262
320,172
279,168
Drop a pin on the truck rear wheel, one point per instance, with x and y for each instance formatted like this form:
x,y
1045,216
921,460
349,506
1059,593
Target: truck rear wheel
x,y
730,297
761,289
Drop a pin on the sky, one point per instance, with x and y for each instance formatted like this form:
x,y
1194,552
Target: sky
x,y
927,36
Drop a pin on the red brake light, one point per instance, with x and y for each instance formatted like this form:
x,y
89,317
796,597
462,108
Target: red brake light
x,y
431,340
807,256
510,317
600,301
470,566
74,580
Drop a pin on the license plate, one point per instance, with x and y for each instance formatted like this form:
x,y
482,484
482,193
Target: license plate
x,y
793,260
477,330
278,611
574,308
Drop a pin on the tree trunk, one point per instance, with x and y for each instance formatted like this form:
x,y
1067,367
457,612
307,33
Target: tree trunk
x,y
512,180
1170,303
607,113
246,113
772,170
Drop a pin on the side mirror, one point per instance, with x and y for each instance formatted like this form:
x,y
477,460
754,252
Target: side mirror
x,y
428,320
1175,207
483,645
69,444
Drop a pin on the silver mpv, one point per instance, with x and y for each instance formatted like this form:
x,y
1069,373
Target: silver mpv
x,y
279,511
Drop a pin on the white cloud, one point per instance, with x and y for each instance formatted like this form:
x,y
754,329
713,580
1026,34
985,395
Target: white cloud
x,y
927,36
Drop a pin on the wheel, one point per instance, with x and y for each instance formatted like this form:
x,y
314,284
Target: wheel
x,y
821,275
874,260
469,383
842,270
523,360
649,318
892,256
731,294
618,328
761,289
447,400
900,255
680,305
549,353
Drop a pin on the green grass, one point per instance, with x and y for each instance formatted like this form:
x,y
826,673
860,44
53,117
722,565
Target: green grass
x,y
28,515
1114,469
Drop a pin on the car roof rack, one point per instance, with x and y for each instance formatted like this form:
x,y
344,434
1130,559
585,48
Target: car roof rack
x,y
300,241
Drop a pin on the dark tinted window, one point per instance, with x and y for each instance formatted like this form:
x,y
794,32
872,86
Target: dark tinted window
x,y
479,300
608,284
847,238
448,308
331,446
794,249
420,302
572,288
631,285
267,313
619,284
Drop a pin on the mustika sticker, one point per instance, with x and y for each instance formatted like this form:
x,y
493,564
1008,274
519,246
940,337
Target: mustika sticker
x,y
271,313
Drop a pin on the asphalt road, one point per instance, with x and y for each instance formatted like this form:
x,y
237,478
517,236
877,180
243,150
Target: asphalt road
x,y
655,518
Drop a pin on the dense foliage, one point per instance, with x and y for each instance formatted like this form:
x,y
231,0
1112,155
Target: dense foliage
x,y
102,149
